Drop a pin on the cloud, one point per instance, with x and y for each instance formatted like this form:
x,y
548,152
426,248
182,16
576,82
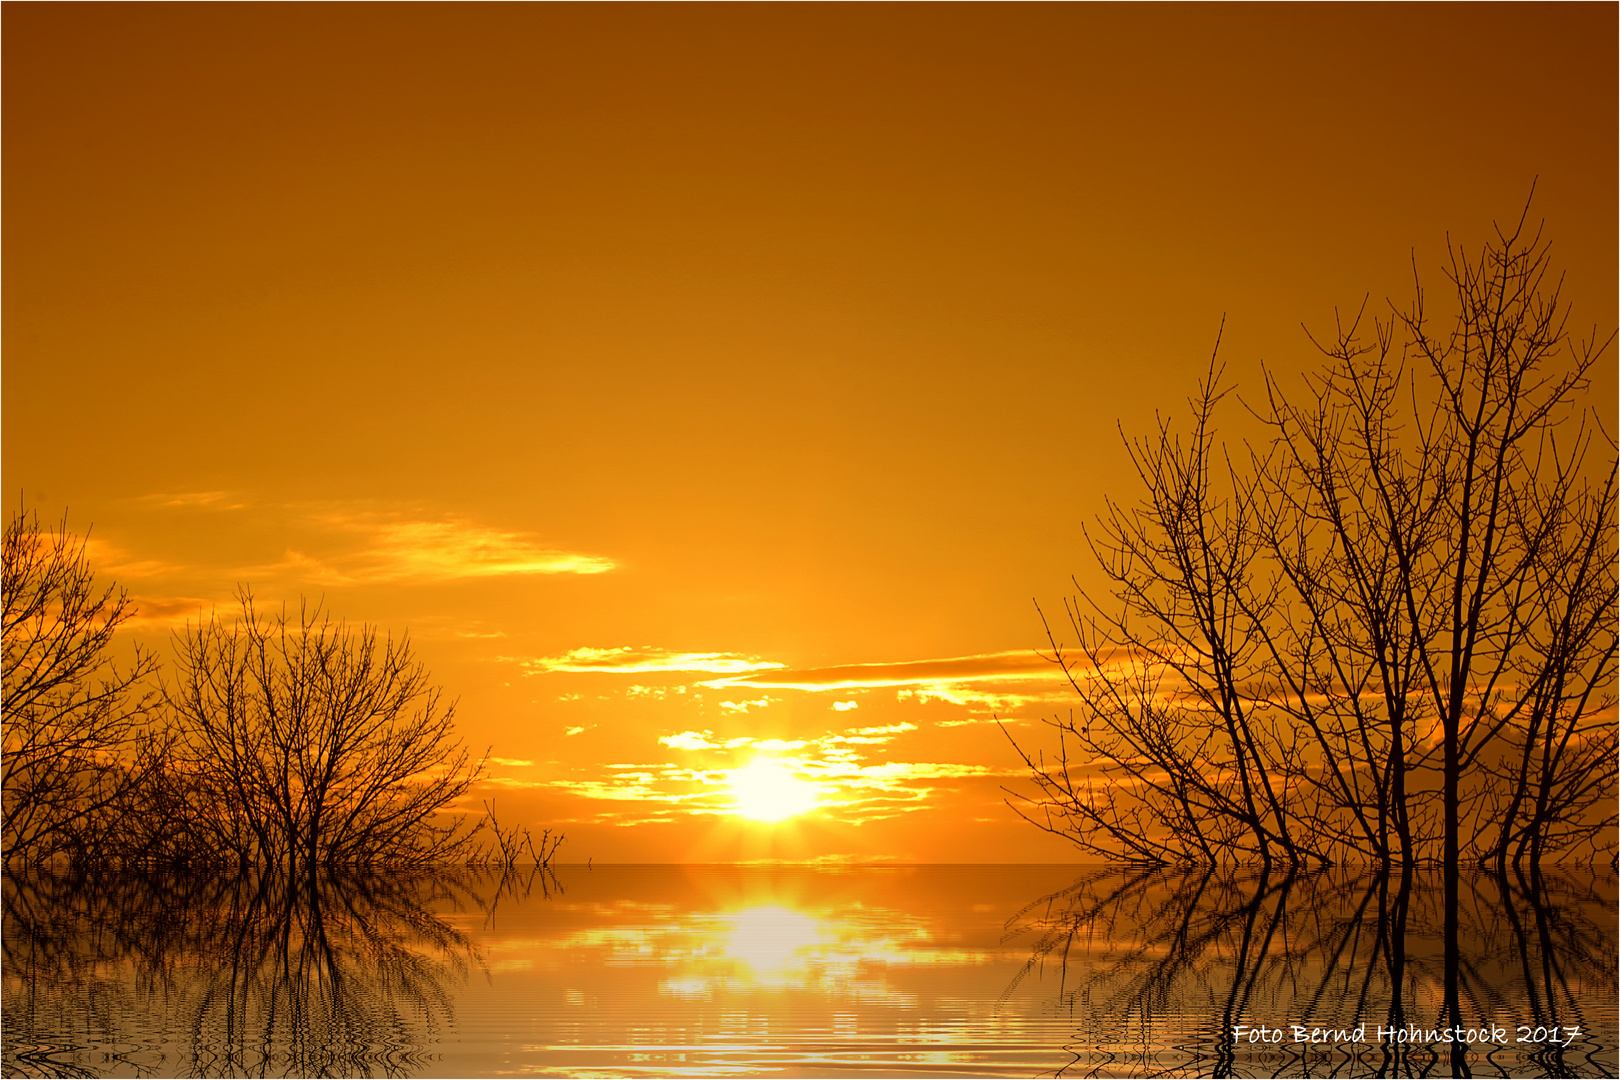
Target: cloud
x,y
886,729
109,559
1002,682
450,549
744,706
956,694
516,783
210,500
295,564
909,771
636,661
386,548
633,787
1020,665
440,550
773,746
829,744
689,740
166,612
326,545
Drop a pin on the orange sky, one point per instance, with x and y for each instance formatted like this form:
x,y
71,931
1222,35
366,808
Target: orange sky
x,y
699,384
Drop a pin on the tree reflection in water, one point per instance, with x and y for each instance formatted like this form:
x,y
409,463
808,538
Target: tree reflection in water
x,y
1158,966
324,974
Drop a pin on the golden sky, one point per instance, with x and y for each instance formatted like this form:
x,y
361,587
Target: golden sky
x,y
712,388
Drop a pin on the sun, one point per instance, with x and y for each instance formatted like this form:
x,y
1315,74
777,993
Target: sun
x,y
767,790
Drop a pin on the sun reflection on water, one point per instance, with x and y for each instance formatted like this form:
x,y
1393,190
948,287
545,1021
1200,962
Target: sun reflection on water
x,y
769,939
771,947
710,971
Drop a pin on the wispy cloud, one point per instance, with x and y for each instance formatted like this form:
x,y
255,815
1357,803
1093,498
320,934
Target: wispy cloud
x,y
108,558
642,787
830,743
167,612
886,729
703,740
1019,665
659,692
200,500
393,549
994,698
744,706
1001,681
689,740
627,660
331,546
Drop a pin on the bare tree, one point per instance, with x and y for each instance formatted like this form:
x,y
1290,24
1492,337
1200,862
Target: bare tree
x,y
303,742
1187,759
1465,576
71,715
1388,635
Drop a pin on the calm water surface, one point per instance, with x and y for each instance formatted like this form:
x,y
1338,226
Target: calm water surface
x,y
721,971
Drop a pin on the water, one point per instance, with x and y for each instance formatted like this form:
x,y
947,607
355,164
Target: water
x,y
739,971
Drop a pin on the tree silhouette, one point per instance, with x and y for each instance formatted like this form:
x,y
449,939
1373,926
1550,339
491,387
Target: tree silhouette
x,y
1388,634
71,716
299,741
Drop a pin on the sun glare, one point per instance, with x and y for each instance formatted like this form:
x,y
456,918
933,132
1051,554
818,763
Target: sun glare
x,y
767,790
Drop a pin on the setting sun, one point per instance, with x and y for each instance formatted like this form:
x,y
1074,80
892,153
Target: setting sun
x,y
767,790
